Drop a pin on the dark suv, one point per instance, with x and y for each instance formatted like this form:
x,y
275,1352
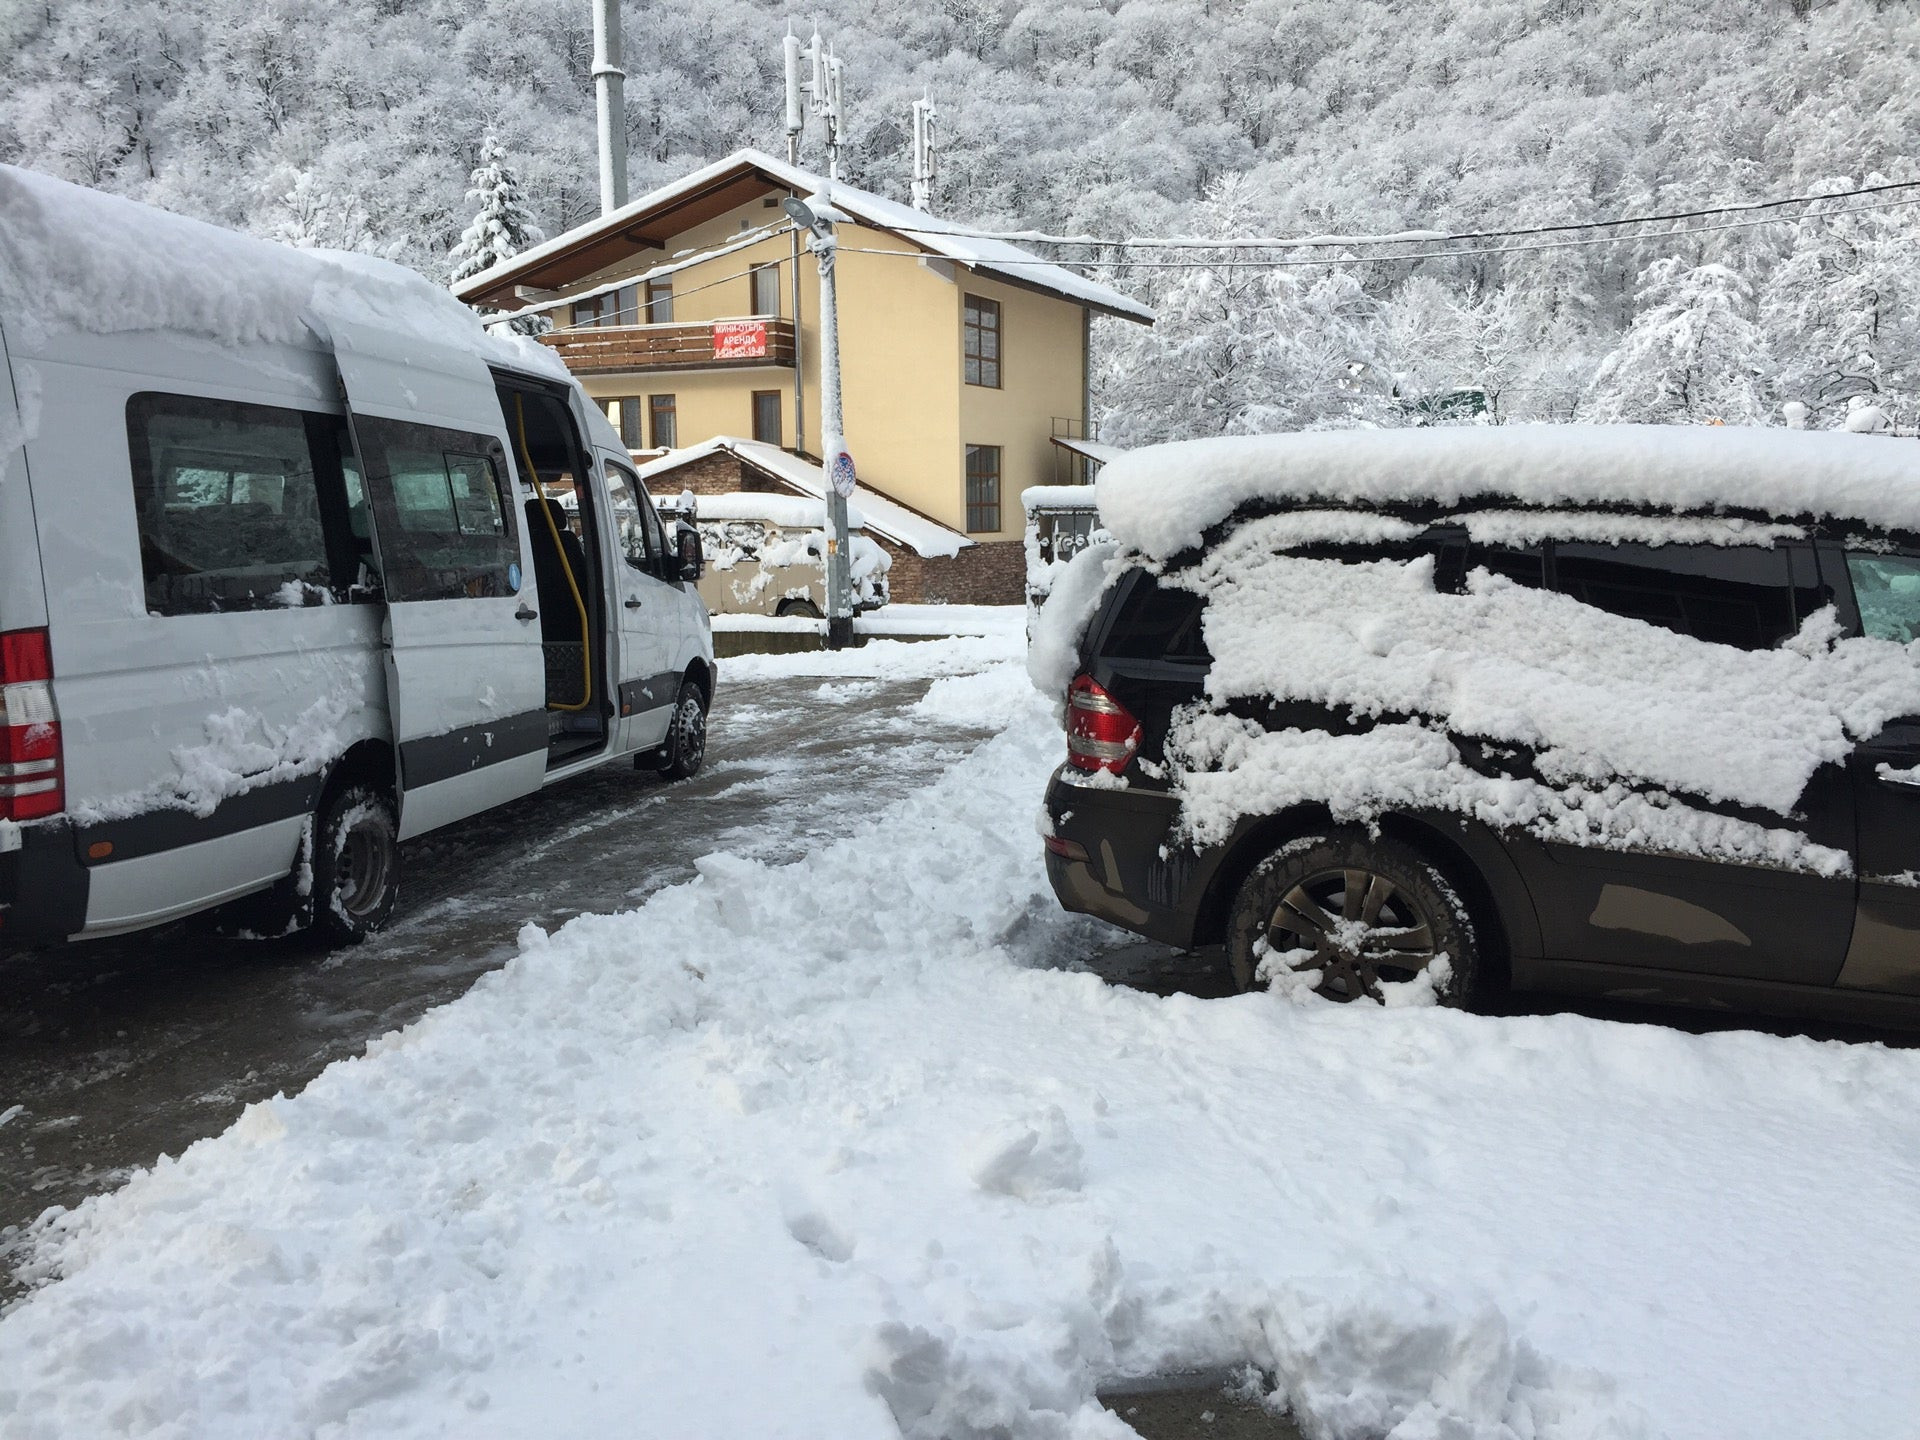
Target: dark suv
x,y
1512,861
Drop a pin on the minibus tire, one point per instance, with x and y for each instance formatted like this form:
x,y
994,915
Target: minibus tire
x,y
686,745
356,864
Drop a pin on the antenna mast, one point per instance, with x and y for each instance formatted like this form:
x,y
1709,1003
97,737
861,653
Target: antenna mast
x,y
823,96
923,151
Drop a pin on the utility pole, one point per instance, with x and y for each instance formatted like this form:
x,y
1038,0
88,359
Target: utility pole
x,y
610,102
796,122
837,463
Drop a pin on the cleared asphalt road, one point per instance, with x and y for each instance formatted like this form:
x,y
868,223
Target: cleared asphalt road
x,y
118,1051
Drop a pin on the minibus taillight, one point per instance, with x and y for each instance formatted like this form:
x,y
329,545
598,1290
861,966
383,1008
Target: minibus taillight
x,y
1101,735
30,780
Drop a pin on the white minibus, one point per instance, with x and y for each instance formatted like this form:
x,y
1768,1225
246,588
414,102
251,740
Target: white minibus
x,y
297,561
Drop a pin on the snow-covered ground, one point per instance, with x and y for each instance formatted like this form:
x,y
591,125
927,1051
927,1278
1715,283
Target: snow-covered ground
x,y
835,1149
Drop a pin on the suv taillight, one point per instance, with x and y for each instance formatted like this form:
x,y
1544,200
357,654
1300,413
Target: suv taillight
x,y
30,782
1101,735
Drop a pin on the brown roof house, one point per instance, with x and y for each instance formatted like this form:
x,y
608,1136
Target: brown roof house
x,y
692,315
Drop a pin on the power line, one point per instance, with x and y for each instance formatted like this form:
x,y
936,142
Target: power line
x,y
1406,237
1322,260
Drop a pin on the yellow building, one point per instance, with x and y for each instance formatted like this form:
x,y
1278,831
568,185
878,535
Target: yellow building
x,y
693,313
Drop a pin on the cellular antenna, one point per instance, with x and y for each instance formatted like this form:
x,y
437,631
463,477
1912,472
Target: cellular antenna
x,y
796,116
923,153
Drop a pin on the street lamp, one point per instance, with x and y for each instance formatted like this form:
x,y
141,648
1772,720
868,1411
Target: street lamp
x,y
833,446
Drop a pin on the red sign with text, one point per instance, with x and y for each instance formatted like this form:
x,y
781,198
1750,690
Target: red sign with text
x,y
739,339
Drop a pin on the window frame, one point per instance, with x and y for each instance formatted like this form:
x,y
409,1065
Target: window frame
x,y
981,478
755,401
974,362
758,275
659,299
666,404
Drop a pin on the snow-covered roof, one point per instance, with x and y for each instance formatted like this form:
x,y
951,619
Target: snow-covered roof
x,y
883,517
999,258
1092,449
795,512
1162,498
74,260
1057,497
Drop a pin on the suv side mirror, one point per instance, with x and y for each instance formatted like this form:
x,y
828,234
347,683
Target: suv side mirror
x,y
693,559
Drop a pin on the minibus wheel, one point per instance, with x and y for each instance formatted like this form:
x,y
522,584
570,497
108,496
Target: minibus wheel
x,y
356,864
686,743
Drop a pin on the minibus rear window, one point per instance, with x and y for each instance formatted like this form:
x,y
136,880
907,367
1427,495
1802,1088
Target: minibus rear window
x,y
229,499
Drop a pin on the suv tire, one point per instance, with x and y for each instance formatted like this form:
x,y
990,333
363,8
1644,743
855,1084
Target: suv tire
x,y
1368,908
356,864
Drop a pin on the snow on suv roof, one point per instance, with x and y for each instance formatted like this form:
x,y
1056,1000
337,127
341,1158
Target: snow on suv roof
x,y
1162,499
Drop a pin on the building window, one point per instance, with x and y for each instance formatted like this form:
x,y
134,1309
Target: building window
x,y
765,281
766,416
982,337
616,307
624,412
983,488
659,302
660,420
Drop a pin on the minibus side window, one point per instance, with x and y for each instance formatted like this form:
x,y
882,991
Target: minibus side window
x,y
441,510
229,499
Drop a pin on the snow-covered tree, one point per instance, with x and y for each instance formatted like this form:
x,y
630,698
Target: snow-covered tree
x,y
1694,353
503,226
1239,348
315,215
1843,307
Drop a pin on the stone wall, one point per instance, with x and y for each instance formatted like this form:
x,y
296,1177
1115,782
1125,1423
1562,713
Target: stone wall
x,y
989,574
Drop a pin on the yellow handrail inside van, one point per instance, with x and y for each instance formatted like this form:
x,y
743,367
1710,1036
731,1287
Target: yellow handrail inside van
x,y
579,604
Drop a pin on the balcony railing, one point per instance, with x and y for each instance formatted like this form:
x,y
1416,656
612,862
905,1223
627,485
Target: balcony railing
x,y
696,345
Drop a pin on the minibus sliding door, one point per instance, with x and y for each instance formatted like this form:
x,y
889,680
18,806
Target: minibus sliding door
x,y
465,678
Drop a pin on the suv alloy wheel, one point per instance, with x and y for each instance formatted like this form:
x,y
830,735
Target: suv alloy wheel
x,y
1360,911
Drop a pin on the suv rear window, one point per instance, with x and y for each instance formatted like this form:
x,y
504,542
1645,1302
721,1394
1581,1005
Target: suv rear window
x,y
1728,594
1157,622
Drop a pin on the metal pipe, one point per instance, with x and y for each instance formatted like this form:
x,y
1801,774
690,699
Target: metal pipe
x,y
610,104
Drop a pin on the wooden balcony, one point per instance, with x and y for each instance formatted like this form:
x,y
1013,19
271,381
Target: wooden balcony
x,y
696,345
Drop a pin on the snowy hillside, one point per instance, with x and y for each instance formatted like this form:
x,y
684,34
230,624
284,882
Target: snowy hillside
x,y
356,124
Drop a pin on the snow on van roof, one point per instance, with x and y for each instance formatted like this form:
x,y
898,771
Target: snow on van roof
x,y
1161,499
74,260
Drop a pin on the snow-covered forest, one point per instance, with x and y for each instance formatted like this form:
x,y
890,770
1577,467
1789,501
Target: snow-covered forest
x,y
357,123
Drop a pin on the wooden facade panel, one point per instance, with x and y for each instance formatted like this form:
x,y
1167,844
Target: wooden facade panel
x,y
607,348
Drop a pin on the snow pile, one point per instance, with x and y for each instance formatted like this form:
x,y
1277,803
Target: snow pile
x,y
1161,500
731,1157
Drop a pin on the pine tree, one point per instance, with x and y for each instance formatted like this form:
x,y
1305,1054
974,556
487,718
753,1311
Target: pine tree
x,y
1693,355
504,226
